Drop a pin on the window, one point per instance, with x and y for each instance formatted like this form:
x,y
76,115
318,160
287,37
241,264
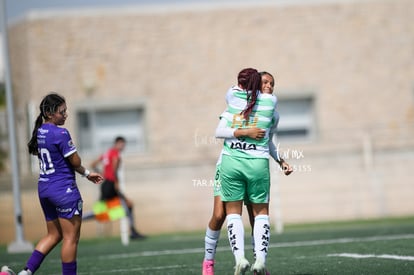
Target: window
x,y
296,118
98,126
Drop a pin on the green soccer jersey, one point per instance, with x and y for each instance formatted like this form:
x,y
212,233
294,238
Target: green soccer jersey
x,y
262,116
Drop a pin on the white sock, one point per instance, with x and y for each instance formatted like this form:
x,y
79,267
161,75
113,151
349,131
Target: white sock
x,y
210,243
235,233
254,253
261,234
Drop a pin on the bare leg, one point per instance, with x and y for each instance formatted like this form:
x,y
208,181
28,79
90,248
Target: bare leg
x,y
213,234
233,207
260,209
71,234
219,214
45,245
53,237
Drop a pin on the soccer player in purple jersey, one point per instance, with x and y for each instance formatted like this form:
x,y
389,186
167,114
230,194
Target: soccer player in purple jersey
x,y
59,195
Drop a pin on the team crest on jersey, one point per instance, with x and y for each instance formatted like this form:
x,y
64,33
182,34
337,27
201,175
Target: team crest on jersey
x,y
240,122
71,144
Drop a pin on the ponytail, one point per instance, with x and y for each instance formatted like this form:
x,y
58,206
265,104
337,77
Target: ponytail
x,y
48,106
251,81
32,145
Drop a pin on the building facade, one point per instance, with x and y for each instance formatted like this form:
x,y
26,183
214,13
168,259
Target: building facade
x,y
344,76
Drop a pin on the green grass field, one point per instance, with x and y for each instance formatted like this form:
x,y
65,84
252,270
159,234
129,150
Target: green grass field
x,y
362,247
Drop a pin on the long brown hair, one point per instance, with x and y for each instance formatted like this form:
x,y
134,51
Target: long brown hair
x,y
48,106
251,81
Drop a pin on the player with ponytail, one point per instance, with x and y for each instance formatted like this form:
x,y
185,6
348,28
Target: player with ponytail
x,y
58,192
250,80
239,126
47,107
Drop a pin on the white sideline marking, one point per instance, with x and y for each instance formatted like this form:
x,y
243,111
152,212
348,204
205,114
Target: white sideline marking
x,y
363,256
286,244
139,269
344,240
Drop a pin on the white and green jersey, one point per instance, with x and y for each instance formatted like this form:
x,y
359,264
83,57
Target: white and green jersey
x,y
262,116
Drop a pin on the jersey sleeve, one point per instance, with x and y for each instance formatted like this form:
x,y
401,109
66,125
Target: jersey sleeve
x,y
65,143
223,131
272,147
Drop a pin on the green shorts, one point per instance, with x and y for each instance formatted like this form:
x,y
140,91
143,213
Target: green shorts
x,y
217,184
244,179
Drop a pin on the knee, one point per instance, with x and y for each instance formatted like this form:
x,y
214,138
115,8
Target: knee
x,y
73,239
219,216
217,220
55,237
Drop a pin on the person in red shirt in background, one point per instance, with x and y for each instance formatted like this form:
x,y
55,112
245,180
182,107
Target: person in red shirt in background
x,y
110,188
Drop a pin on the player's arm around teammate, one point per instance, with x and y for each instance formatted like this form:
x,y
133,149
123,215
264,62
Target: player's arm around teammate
x,y
240,103
268,84
244,171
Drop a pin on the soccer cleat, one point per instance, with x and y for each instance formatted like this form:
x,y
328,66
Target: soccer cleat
x,y
242,266
25,272
137,236
208,267
259,268
5,269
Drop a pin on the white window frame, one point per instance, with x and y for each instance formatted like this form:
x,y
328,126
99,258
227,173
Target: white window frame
x,y
299,120
102,139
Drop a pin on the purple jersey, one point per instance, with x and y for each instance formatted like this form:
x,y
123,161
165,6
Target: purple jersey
x,y
58,193
55,145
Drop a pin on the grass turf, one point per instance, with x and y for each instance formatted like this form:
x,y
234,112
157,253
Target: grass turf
x,y
373,247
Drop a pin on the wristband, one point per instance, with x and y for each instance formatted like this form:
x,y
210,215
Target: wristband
x,y
86,173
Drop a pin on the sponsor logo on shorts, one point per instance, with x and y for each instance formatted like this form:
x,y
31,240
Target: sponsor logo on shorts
x,y
64,210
